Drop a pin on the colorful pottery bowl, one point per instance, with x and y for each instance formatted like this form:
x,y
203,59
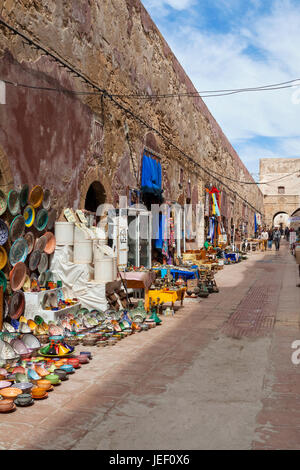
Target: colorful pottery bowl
x,y
5,384
86,353
83,359
3,257
23,196
62,374
44,384
74,362
17,276
53,378
68,368
29,237
51,243
18,251
3,281
6,405
41,371
10,393
3,232
29,216
38,392
17,228
13,202
36,196
41,220
25,387
24,399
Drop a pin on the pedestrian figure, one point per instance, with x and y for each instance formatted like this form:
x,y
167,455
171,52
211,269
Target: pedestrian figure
x,y
287,233
276,238
270,238
264,237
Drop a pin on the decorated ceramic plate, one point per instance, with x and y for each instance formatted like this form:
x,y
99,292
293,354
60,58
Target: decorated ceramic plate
x,y
56,355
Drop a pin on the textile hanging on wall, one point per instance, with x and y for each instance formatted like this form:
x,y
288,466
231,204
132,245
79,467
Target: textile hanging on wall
x,y
151,176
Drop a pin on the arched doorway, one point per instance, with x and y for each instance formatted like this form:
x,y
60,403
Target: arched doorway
x,y
95,196
281,220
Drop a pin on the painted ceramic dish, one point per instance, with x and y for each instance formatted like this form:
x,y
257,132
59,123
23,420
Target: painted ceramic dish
x,y
38,392
13,202
31,341
20,348
53,378
21,378
33,375
3,232
51,219
36,196
17,276
29,216
29,237
17,228
41,220
34,260
51,243
3,280
40,243
41,371
25,387
62,374
42,279
10,392
4,384
6,405
26,288
25,399
3,203
16,305
47,199
68,368
43,264
44,383
3,257
23,196
18,251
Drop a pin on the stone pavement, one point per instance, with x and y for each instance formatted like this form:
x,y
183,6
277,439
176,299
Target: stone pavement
x,y
217,375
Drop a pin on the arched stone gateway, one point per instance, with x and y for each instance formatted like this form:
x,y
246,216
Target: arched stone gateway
x,y
281,220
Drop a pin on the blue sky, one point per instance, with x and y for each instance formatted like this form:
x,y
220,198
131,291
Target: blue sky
x,y
236,44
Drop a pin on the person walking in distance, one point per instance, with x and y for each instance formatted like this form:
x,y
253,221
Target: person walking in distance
x,y
276,238
264,237
270,238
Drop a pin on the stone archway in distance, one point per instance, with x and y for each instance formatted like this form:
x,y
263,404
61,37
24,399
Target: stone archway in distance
x,y
281,219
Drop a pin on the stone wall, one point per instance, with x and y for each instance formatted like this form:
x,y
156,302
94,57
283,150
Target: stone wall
x,y
52,138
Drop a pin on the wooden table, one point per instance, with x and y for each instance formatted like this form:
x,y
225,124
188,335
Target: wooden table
x,y
165,295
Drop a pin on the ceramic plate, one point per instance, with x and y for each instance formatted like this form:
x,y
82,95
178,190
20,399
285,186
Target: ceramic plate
x,y
55,355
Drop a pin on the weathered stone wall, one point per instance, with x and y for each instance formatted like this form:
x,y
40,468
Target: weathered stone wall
x,y
285,173
50,138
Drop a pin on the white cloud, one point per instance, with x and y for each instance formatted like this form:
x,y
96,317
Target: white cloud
x,y
159,6
218,61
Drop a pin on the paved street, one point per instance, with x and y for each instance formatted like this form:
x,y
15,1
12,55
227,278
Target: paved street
x,y
217,375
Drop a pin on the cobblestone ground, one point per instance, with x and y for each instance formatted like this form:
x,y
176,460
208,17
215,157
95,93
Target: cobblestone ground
x,y
217,375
